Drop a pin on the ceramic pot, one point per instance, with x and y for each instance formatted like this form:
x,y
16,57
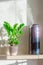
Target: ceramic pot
x,y
13,50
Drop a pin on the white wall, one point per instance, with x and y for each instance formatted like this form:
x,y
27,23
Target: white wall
x,y
34,8
13,11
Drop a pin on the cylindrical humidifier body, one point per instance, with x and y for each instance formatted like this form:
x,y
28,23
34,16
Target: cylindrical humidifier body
x,y
35,39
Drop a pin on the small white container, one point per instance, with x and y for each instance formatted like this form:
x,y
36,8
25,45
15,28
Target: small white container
x,y
13,50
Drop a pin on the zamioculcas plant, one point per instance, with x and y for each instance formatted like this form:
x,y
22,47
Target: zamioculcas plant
x,y
14,32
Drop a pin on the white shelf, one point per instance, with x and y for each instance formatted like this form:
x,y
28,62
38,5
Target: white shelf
x,y
23,57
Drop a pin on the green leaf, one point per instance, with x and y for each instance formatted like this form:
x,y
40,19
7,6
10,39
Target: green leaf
x,y
20,26
8,27
16,41
15,29
15,26
21,32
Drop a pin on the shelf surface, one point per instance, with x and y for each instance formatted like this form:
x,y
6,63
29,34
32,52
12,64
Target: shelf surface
x,y
22,57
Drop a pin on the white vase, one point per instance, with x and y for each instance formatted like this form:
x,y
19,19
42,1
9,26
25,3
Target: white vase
x,y
13,50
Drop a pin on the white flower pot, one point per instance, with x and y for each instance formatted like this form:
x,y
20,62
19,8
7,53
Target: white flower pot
x,y
13,50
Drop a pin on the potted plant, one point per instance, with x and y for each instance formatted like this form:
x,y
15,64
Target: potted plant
x,y
14,32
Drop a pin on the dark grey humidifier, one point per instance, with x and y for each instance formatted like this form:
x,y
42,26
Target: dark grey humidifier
x,y
35,39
